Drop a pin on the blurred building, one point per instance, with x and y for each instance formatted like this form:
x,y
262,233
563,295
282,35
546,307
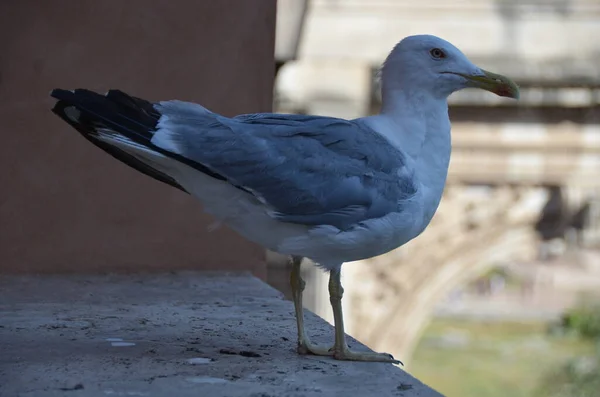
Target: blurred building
x,y
521,172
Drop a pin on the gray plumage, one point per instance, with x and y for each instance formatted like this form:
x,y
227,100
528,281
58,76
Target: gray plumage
x,y
308,169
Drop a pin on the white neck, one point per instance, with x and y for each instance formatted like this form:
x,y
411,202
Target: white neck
x,y
419,126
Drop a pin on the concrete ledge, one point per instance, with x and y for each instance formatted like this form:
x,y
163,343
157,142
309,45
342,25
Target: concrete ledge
x,y
174,335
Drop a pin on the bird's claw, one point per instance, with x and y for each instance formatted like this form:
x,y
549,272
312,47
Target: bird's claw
x,y
346,354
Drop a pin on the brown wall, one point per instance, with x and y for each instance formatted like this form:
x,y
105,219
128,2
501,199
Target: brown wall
x,y
66,206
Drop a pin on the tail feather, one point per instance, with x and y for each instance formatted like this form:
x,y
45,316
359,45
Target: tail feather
x,y
112,111
87,112
123,126
136,109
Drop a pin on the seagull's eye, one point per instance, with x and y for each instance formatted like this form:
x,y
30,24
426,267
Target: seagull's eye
x,y
437,53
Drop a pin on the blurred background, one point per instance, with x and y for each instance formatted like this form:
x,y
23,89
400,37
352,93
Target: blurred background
x,y
500,295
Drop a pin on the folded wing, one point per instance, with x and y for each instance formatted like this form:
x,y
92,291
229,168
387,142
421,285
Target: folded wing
x,y
305,169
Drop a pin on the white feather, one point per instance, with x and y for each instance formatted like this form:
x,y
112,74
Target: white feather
x,y
163,137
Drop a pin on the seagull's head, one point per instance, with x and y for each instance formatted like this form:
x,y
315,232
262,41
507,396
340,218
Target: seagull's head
x,y
427,62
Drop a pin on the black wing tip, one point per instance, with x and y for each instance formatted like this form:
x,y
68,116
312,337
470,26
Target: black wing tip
x,y
61,94
58,107
64,99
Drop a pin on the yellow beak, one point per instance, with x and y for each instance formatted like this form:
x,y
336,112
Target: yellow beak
x,y
496,83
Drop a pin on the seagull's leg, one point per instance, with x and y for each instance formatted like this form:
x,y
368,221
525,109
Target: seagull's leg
x,y
341,349
305,346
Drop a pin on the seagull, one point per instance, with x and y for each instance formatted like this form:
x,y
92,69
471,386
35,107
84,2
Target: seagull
x,y
324,188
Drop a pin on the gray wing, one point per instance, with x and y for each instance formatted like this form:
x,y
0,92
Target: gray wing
x,y
310,170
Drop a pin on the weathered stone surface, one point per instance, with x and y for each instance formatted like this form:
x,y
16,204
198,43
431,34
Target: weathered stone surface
x,y
184,334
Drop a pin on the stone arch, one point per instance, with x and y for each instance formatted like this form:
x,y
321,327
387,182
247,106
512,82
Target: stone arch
x,y
400,327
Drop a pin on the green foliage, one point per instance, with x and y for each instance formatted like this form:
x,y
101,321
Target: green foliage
x,y
491,359
584,320
578,378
